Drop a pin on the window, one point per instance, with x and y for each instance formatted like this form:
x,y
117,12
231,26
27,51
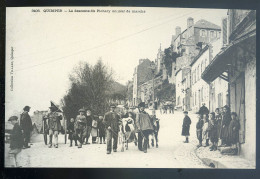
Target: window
x,y
195,98
220,100
202,94
212,34
195,75
203,33
198,72
217,34
202,69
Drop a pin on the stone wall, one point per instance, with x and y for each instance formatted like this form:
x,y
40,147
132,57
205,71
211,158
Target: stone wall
x,y
248,150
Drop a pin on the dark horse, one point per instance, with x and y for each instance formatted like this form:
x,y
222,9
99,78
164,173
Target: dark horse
x,y
156,127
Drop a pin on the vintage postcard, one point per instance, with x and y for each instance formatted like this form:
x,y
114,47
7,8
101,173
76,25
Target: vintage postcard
x,y
130,87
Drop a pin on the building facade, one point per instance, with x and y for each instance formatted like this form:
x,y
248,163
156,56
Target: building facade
x,y
238,60
200,89
188,44
142,74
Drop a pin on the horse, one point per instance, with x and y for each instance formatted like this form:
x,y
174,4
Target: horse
x,y
154,134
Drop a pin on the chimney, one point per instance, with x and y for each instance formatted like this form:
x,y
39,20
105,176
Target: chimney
x,y
177,30
224,32
190,22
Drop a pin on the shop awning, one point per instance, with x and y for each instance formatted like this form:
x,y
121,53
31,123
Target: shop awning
x,y
222,60
243,37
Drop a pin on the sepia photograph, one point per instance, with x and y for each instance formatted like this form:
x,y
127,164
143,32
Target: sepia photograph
x,y
130,87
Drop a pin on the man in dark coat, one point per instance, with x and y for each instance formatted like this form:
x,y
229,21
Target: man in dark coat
x,y
111,122
144,127
16,140
80,127
54,125
26,125
87,130
186,126
225,124
203,110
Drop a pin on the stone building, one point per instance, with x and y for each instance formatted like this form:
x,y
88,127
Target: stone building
x,y
141,75
182,85
188,44
186,84
146,89
129,93
238,60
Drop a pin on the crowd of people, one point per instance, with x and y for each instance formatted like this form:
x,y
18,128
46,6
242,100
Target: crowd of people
x,y
166,108
221,128
127,126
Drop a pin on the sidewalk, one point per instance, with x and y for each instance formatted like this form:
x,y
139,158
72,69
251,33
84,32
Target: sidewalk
x,y
222,161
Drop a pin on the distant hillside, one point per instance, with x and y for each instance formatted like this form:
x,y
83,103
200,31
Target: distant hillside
x,y
118,88
118,91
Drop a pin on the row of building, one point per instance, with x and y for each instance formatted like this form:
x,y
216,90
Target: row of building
x,y
215,65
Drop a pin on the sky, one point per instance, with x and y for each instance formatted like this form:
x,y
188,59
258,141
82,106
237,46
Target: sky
x,y
47,45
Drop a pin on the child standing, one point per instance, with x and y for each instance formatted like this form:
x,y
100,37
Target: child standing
x,y
101,130
94,130
71,132
233,129
213,131
16,140
199,127
205,135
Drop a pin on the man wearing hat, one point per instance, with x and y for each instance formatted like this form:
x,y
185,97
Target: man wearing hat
x,y
16,140
111,121
26,125
186,126
203,109
144,127
54,125
80,126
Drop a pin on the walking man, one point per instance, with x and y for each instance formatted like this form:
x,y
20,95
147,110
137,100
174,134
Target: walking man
x,y
26,125
111,121
144,127
54,125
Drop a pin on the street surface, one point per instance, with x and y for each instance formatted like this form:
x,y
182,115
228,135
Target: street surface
x,y
172,152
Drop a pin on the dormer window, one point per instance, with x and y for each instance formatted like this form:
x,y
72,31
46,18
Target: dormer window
x,y
203,33
212,34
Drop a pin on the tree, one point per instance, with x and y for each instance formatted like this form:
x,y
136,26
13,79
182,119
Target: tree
x,y
90,89
169,58
166,91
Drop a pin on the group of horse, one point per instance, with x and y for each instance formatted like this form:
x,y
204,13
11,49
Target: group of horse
x,y
128,132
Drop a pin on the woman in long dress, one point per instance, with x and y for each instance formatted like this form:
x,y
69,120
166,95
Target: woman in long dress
x,y
94,130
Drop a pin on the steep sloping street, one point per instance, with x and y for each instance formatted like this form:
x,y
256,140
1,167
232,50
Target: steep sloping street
x,y
172,152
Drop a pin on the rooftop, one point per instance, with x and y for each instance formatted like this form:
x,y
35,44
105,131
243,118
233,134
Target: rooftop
x,y
206,25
